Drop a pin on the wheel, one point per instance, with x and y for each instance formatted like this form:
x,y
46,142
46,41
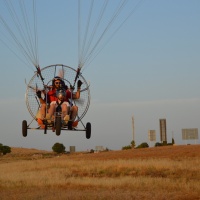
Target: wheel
x,y
45,129
88,130
58,125
24,128
69,125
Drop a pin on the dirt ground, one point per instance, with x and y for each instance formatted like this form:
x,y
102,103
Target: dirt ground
x,y
147,186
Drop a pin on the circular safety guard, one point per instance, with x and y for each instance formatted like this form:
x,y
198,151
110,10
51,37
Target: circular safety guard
x,y
48,73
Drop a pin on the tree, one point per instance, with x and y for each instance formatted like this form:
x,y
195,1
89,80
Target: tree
x,y
91,150
126,147
158,144
133,144
1,146
4,149
143,145
164,143
58,148
173,141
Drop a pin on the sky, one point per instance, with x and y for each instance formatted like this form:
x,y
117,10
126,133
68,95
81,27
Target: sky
x,y
149,69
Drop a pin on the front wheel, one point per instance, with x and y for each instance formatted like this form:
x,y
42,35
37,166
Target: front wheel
x,y
88,130
24,128
58,125
70,125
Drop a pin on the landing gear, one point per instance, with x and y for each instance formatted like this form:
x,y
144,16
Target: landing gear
x,y
24,128
58,125
70,125
88,130
45,128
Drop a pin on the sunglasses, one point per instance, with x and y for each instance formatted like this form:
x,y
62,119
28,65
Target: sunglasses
x,y
57,82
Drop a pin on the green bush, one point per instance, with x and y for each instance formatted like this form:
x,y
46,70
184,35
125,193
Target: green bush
x,y
164,143
133,144
91,150
4,149
143,145
158,144
58,148
127,147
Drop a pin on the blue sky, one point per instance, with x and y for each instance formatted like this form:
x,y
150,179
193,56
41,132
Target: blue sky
x,y
149,69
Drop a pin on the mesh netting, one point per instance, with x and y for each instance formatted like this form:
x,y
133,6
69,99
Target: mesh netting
x,y
48,73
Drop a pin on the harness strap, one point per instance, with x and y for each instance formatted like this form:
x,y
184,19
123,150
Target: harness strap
x,y
59,104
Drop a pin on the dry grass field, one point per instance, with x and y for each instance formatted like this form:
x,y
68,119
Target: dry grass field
x,y
171,172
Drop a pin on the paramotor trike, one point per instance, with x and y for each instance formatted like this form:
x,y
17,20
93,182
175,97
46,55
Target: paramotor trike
x,y
42,81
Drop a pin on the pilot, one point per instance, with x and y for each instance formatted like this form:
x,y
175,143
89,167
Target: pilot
x,y
59,95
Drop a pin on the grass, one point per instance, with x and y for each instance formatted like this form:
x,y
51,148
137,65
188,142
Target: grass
x,y
156,173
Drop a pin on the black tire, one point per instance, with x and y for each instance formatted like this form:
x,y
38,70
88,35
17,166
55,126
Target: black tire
x,y
88,130
45,129
58,125
45,126
24,128
69,125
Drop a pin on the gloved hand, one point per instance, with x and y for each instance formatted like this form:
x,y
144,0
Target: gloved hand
x,y
66,87
71,87
38,93
79,83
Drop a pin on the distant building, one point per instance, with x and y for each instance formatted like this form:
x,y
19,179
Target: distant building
x,y
152,135
163,130
190,134
99,148
72,149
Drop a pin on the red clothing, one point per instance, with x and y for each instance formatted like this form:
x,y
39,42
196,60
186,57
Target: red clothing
x,y
68,95
51,96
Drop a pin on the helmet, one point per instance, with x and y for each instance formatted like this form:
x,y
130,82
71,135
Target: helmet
x,y
60,94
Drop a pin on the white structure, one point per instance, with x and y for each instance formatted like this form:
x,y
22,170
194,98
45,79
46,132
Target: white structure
x,y
72,149
133,127
190,134
152,135
99,148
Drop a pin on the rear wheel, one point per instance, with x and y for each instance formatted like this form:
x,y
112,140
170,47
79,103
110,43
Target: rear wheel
x,y
58,125
45,126
24,128
88,130
45,129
